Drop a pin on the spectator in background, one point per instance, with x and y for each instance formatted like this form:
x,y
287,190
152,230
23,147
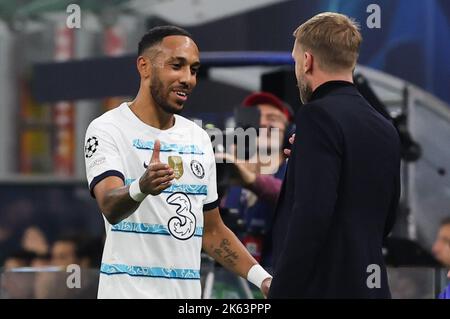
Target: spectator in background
x,y
19,259
64,251
255,194
15,216
17,284
34,240
441,250
82,251
41,260
441,247
71,250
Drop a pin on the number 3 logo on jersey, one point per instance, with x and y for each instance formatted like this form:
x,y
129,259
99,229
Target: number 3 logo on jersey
x,y
182,226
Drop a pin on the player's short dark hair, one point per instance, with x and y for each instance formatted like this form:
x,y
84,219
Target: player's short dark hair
x,y
157,34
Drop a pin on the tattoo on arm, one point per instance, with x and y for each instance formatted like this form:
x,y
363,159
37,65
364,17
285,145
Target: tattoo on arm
x,y
225,252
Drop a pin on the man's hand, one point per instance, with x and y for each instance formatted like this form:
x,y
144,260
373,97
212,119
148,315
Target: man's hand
x,y
246,170
265,286
158,176
287,151
247,173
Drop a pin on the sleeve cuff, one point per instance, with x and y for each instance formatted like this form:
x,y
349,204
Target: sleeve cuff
x,y
211,206
102,176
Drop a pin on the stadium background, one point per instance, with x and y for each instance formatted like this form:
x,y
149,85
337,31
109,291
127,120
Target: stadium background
x,y
44,115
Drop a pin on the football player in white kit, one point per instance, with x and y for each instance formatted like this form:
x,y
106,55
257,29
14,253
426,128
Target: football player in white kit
x,y
153,175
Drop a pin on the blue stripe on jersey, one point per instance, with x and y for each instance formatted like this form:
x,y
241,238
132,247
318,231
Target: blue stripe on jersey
x,y
181,149
143,228
184,188
158,272
187,189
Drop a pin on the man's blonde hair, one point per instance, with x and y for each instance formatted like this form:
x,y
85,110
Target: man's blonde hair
x,y
334,40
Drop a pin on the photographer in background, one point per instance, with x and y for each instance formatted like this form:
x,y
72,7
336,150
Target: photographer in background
x,y
441,250
257,181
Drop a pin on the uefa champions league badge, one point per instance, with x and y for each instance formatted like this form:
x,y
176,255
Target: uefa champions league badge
x,y
197,169
91,146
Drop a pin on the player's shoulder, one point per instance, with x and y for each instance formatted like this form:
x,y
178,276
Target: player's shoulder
x,y
184,122
108,119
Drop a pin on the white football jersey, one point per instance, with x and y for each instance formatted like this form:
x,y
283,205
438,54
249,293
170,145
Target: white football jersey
x,y
155,252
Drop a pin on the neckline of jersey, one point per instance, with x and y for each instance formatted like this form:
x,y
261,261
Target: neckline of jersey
x,y
132,117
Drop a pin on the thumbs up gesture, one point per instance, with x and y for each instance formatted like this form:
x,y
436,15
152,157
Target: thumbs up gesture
x,y
157,176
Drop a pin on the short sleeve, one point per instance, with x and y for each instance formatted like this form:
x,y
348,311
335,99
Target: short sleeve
x,y
101,156
211,201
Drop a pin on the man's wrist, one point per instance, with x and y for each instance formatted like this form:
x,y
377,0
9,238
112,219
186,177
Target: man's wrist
x,y
257,274
135,191
249,179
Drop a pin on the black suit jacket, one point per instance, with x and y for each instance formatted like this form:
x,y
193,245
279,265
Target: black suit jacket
x,y
338,199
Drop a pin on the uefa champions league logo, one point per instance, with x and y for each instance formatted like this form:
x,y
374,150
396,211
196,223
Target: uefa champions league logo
x,y
91,146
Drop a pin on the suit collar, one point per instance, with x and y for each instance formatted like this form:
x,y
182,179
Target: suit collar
x,y
328,87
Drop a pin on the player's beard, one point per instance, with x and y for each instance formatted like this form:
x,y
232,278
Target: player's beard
x,y
305,89
160,95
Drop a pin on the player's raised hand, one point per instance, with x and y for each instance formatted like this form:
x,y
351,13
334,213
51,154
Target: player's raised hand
x,y
155,153
158,176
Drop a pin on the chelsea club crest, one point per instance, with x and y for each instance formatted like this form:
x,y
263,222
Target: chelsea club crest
x,y
197,169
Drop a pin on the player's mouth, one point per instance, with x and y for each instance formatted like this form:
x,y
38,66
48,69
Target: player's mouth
x,y
182,95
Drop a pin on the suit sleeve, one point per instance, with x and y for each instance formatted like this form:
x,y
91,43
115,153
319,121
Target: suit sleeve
x,y
317,155
392,214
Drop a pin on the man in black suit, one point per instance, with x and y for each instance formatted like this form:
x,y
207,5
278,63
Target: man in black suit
x,y
342,185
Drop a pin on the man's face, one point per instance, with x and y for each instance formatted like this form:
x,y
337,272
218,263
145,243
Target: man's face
x,y
64,254
303,84
271,118
174,73
441,247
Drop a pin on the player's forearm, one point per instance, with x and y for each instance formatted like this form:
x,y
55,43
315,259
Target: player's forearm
x,y
118,205
226,249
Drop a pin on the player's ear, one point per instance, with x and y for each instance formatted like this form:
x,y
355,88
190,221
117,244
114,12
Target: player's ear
x,y
143,65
